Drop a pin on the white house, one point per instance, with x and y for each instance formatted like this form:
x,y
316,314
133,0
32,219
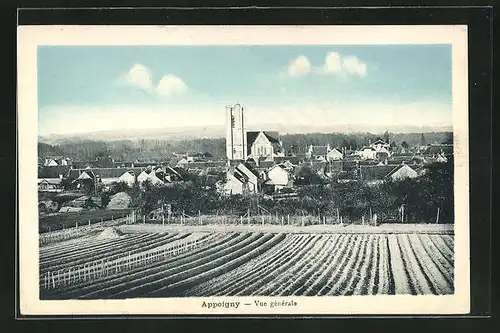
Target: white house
x,y
367,153
50,162
334,155
149,175
128,178
241,179
402,172
278,177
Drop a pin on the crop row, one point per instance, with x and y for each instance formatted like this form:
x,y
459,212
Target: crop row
x,y
275,264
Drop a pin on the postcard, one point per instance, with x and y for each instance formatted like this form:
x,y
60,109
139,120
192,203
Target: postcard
x,y
243,170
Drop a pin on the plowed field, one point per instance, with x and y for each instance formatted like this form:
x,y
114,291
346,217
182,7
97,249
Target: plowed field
x,y
247,263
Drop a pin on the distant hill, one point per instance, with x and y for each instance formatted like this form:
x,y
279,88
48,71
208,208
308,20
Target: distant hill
x,y
189,133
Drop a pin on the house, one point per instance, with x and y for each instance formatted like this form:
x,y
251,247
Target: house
x,y
128,178
242,179
367,153
263,144
50,184
382,154
378,144
402,172
318,152
251,174
149,174
334,155
279,178
378,173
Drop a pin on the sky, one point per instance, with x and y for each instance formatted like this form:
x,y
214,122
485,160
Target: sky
x,y
95,88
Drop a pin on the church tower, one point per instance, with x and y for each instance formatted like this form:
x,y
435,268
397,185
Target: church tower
x,y
236,148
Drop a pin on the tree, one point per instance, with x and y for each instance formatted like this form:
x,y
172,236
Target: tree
x,y
386,136
423,142
448,139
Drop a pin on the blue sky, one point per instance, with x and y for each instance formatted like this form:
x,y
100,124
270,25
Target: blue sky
x,y
89,88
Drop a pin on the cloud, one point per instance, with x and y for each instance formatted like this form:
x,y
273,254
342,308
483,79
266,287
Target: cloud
x,y
337,64
171,85
300,66
141,77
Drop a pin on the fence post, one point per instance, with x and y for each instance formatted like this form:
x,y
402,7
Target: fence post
x,y
437,216
341,221
363,220
89,223
76,225
338,216
282,218
262,217
241,219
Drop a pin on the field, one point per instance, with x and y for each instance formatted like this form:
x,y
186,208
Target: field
x,y
177,263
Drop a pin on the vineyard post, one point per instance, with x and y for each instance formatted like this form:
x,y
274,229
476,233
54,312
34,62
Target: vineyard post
x,y
341,221
338,216
363,220
437,216
199,216
371,215
282,218
288,219
163,219
112,219
262,218
248,216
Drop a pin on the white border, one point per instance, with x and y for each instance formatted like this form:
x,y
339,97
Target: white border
x,y
30,37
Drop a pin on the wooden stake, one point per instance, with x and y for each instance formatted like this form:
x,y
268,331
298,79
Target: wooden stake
x,y
363,220
262,217
288,218
437,216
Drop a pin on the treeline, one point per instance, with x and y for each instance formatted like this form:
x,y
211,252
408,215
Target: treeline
x,y
128,150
